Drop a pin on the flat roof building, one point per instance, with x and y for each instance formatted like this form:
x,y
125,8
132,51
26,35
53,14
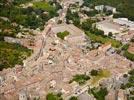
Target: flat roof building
x,y
99,8
80,2
125,22
108,8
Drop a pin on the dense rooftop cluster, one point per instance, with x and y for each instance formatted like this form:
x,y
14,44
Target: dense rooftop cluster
x,y
66,50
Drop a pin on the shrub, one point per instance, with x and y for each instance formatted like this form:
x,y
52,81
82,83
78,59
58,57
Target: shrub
x,y
62,35
99,94
110,34
81,78
125,47
73,98
94,72
129,55
52,96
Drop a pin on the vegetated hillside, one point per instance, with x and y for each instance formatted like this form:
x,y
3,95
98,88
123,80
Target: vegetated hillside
x,y
126,7
13,2
32,17
12,54
17,17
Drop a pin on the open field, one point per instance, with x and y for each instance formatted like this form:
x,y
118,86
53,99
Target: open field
x,y
43,5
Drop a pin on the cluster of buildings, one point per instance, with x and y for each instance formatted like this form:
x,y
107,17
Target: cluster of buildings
x,y
61,60
124,22
80,2
108,8
118,25
121,28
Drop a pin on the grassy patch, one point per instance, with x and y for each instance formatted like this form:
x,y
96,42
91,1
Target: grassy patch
x,y
125,47
43,5
12,54
129,55
52,96
62,35
102,73
101,39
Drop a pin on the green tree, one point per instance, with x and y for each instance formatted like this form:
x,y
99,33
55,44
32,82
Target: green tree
x,y
110,34
87,25
52,96
94,72
73,98
81,78
125,47
33,21
99,94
